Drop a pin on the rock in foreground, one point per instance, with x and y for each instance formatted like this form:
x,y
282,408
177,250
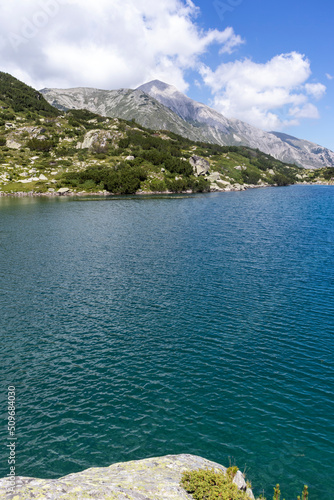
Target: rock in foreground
x,y
149,479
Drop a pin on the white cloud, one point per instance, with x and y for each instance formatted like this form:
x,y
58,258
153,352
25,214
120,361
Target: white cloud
x,y
271,95
124,43
105,43
316,90
306,111
330,77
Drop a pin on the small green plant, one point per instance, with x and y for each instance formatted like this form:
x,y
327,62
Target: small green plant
x,y
304,494
277,493
206,484
231,471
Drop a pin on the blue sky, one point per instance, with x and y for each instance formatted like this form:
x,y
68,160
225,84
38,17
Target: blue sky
x,y
267,63
270,28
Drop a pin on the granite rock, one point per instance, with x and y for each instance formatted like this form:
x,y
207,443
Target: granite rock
x,y
200,165
148,479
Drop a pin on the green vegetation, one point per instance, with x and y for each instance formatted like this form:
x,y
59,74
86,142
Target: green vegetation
x,y
207,484
277,493
43,149
17,96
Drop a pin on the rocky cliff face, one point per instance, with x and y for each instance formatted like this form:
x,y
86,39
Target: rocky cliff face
x,y
149,479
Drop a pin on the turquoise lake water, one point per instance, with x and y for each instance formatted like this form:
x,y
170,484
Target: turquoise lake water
x,y
139,327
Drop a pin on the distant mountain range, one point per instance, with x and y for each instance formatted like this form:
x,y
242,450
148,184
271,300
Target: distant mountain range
x,y
157,105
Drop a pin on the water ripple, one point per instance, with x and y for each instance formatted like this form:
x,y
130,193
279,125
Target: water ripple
x,y
202,324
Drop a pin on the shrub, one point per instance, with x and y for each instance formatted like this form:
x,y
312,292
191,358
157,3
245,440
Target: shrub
x,y
125,180
328,173
157,185
39,144
177,185
282,180
250,177
206,484
88,185
200,185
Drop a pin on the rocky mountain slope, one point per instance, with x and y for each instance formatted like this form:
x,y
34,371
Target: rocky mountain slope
x,y
157,105
231,131
123,103
44,150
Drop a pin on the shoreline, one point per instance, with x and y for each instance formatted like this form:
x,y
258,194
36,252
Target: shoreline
x,y
242,187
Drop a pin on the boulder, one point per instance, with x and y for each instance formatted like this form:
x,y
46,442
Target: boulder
x,y
63,190
97,139
214,176
12,144
148,479
200,165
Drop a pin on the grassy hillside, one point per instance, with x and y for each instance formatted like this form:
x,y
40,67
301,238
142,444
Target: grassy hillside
x,y
43,150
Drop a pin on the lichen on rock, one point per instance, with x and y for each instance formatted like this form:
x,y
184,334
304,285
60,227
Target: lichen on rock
x,y
148,479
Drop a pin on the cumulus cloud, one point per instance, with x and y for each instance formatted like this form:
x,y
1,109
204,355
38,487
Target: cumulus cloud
x,y
316,90
106,43
270,95
124,43
309,110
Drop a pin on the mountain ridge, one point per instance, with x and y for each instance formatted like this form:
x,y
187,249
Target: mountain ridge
x,y
281,146
45,151
127,104
158,105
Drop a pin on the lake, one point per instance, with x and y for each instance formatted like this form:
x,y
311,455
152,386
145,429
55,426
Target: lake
x,y
135,327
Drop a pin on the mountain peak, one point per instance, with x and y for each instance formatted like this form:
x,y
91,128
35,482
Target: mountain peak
x,y
157,87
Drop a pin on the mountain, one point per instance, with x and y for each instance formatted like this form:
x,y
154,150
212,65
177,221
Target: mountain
x,y
44,150
19,97
123,103
157,105
310,148
233,131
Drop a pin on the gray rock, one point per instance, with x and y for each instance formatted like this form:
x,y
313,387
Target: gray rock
x,y
95,138
12,144
200,165
250,494
63,190
214,176
130,158
239,480
149,479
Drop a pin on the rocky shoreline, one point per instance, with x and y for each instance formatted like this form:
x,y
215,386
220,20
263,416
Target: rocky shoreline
x,y
214,189
149,479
